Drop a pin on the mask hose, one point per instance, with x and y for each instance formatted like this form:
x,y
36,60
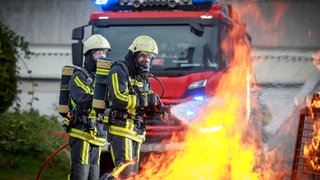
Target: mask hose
x,y
159,83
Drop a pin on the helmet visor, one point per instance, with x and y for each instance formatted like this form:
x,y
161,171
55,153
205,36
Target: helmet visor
x,y
100,53
144,56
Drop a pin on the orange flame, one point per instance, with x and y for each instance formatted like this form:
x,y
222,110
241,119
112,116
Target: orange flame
x,y
221,144
312,150
117,171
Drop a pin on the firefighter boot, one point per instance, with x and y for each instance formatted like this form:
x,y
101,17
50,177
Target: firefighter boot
x,y
125,174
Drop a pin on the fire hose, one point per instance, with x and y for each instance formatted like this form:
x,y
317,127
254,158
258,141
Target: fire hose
x,y
50,158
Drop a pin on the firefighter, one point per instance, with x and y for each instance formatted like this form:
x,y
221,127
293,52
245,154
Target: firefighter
x,y
130,98
86,136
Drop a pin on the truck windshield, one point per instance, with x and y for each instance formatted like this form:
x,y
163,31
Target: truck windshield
x,y
181,50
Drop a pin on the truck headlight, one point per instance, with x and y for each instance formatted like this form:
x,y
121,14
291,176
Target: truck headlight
x,y
198,84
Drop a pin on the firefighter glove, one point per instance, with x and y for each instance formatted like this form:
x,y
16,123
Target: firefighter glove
x,y
153,99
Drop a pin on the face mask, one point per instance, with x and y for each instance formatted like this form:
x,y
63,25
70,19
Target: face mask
x,y
144,64
100,53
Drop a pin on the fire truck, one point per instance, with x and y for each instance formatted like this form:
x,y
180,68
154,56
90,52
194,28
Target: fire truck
x,y
190,62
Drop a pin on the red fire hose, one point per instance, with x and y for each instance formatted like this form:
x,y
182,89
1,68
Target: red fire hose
x,y
49,159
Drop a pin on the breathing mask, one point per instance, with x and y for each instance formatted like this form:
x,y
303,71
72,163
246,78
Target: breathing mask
x,y
144,60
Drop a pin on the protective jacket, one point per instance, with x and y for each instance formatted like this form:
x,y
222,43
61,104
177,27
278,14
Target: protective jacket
x,y
84,126
127,92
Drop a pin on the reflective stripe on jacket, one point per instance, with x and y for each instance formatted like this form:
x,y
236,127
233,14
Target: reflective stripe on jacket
x,y
81,92
127,131
89,137
119,94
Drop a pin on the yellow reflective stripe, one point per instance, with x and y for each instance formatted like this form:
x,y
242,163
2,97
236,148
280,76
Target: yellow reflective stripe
x,y
87,137
92,114
112,156
130,99
120,131
130,124
72,102
138,150
85,153
100,149
105,119
132,102
128,149
116,89
82,85
137,83
102,71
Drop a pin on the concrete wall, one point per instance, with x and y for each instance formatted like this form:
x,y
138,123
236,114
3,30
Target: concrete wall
x,y
46,22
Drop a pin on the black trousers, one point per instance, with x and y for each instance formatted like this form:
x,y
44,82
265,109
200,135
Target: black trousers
x,y
124,150
85,160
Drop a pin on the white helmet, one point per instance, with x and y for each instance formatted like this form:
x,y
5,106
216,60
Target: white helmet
x,y
96,41
144,43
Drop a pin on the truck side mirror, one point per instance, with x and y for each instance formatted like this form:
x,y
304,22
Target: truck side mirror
x,y
77,33
77,57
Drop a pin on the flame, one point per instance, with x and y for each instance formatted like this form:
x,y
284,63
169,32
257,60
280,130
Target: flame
x,y
312,150
117,171
222,143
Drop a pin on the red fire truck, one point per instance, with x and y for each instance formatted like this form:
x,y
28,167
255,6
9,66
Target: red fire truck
x,y
190,62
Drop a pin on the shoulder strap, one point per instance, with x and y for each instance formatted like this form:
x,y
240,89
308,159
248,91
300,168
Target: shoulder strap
x,y
86,73
125,68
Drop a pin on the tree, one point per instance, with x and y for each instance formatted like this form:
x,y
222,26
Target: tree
x,y
12,47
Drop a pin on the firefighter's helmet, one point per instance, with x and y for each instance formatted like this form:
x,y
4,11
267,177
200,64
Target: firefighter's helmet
x,y
144,43
96,41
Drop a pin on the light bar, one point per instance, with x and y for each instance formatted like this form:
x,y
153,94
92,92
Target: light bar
x,y
100,2
204,1
113,5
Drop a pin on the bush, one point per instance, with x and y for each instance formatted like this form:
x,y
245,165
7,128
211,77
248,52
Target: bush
x,y
11,47
27,139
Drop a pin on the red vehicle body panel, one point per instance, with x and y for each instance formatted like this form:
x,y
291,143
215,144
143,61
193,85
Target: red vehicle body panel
x,y
176,86
215,12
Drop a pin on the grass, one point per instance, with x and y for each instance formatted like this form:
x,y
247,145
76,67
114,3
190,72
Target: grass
x,y
27,167
27,139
